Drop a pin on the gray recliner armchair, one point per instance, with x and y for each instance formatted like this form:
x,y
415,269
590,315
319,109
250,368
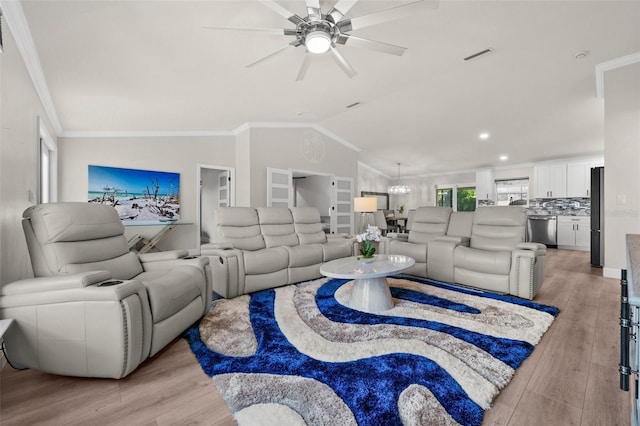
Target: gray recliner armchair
x,y
95,309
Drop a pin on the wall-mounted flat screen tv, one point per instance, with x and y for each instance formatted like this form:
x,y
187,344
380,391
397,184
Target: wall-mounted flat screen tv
x,y
141,197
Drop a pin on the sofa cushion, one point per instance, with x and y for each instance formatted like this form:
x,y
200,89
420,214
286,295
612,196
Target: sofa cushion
x,y
308,225
498,228
483,261
65,222
170,291
336,249
239,226
306,255
428,223
265,261
276,226
123,267
415,250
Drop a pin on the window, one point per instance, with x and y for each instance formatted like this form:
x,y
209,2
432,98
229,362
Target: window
x,y
444,197
48,159
512,192
466,199
463,201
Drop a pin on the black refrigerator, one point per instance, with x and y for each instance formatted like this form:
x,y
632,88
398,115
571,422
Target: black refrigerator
x,y
597,217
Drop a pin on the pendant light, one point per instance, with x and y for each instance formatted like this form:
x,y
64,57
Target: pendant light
x,y
399,189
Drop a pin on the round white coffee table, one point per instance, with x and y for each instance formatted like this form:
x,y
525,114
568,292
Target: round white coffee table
x,y
370,292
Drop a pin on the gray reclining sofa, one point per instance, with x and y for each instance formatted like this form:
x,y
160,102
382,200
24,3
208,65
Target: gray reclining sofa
x,y
256,249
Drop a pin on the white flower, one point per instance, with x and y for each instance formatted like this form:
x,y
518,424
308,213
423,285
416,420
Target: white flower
x,y
372,234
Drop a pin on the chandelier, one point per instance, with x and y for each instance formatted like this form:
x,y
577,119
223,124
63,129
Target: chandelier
x,y
399,189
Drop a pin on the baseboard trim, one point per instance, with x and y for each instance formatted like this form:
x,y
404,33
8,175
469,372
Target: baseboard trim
x,y
611,273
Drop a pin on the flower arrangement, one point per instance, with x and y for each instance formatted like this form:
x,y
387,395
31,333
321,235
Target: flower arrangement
x,y
401,208
367,250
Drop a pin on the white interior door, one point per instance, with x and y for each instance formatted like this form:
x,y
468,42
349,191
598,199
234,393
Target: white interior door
x,y
224,186
341,205
279,188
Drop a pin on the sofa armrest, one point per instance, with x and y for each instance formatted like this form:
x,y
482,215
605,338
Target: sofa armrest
x,y
227,270
440,253
527,271
221,245
454,239
41,292
55,283
338,236
532,246
397,236
163,256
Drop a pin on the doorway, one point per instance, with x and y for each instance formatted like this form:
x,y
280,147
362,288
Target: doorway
x,y
216,189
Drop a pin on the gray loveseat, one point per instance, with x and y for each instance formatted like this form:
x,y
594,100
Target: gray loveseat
x,y
484,249
256,249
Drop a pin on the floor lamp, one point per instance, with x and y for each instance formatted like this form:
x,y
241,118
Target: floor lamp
x,y
365,206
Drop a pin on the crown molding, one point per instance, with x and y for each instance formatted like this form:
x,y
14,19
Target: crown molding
x,y
141,134
17,23
373,170
603,67
314,126
195,133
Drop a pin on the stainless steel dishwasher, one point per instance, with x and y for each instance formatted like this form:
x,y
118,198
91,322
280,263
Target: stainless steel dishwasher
x,y
543,229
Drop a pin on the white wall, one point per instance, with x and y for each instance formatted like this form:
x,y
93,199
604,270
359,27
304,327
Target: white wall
x,y
298,149
19,140
209,200
169,154
622,163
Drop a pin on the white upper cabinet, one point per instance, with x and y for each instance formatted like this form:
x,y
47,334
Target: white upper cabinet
x,y
551,181
578,180
579,177
485,185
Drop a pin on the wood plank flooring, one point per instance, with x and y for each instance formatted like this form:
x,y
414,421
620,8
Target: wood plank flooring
x,y
571,378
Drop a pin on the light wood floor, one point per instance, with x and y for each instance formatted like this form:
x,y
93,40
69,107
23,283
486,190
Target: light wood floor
x,y
570,379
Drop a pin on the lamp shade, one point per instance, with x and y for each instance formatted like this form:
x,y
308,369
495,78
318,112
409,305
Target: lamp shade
x,y
365,204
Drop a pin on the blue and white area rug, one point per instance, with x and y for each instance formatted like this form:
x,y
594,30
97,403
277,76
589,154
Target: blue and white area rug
x,y
298,355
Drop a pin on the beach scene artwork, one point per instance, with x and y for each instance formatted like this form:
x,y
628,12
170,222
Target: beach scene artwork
x,y
141,197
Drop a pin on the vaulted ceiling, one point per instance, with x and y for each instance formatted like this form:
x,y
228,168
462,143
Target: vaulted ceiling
x,y
133,66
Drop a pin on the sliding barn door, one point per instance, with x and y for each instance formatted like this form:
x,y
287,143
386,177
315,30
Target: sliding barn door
x,y
341,205
279,188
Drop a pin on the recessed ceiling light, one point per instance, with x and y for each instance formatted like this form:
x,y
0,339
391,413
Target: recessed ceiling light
x,y
484,136
504,158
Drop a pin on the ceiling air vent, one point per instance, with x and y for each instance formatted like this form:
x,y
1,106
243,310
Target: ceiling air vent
x,y
484,52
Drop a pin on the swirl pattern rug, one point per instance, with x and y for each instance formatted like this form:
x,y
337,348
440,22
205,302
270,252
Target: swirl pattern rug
x,y
298,355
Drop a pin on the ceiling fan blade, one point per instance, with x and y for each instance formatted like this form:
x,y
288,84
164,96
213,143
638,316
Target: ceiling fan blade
x,y
376,18
363,43
342,63
270,55
286,14
340,9
313,9
304,67
266,30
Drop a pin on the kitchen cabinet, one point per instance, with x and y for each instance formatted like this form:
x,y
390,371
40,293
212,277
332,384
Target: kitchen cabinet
x,y
574,232
550,181
579,177
485,185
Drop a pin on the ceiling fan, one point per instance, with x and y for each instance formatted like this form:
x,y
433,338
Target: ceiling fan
x,y
320,33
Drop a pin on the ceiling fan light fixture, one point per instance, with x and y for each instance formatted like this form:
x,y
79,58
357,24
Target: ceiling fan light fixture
x,y
317,41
